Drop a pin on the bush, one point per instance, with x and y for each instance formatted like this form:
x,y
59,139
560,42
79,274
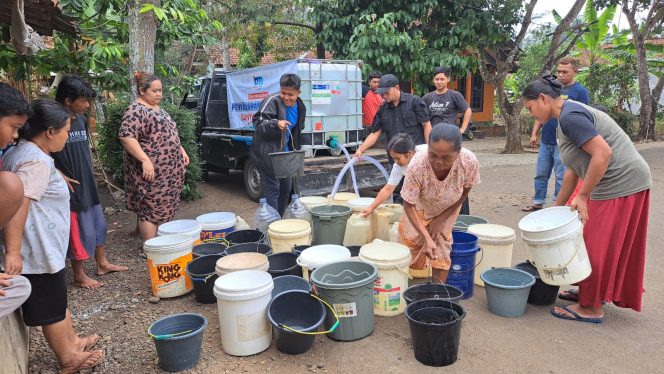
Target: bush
x,y
111,151
625,120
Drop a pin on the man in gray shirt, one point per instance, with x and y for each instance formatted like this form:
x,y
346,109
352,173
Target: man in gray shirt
x,y
445,104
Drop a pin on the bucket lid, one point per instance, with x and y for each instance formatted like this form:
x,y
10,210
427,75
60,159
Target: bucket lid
x,y
330,211
217,219
491,231
179,226
343,196
243,285
385,253
313,200
289,226
241,261
361,202
548,219
166,242
320,255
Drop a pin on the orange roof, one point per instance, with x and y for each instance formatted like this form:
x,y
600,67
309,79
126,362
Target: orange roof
x,y
218,60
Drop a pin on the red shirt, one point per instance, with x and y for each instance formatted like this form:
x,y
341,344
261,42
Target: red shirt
x,y
370,105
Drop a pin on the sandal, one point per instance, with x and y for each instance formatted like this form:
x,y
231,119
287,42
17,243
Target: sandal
x,y
570,295
533,208
89,363
92,340
575,316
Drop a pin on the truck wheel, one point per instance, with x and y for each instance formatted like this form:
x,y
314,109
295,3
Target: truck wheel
x,y
252,181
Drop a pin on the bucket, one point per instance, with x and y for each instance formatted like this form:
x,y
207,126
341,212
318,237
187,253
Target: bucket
x,y
348,287
435,330
217,225
432,291
313,201
245,236
540,293
241,261
464,221
555,238
462,269
288,164
354,250
285,283
392,260
329,223
168,256
181,226
242,299
497,243
249,248
201,271
319,255
206,249
178,339
287,233
283,264
507,291
340,198
359,204
299,248
296,310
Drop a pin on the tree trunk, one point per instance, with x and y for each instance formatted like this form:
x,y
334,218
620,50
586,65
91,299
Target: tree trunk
x,y
142,37
225,50
511,114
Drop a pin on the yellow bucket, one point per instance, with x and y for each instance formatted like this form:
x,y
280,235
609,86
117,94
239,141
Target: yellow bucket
x,y
342,198
285,234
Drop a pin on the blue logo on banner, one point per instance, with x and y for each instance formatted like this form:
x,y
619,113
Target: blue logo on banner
x,y
258,82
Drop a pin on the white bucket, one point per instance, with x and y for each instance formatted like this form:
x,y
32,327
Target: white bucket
x,y
216,225
313,201
341,198
496,243
189,227
285,234
555,238
241,261
392,260
242,300
319,255
168,256
360,204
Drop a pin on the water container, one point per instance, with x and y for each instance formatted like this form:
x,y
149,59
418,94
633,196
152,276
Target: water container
x,y
380,220
358,231
241,224
181,226
497,243
265,214
313,201
285,234
320,255
297,210
168,256
241,261
394,233
341,198
396,210
360,204
216,225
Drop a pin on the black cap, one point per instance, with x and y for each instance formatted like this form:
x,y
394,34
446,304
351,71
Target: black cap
x,y
386,82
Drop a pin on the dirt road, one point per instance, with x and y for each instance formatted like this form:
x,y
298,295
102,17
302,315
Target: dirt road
x,y
627,342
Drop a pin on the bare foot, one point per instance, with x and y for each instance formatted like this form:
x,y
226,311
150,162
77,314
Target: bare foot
x,y
84,281
86,343
81,361
106,268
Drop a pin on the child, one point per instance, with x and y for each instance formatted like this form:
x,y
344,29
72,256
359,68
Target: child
x,y
401,148
88,224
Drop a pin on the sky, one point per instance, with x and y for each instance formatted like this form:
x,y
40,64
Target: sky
x,y
543,9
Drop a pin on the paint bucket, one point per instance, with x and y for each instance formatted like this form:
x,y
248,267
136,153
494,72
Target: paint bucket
x,y
464,221
340,198
313,201
329,223
540,293
360,204
462,269
507,291
555,238
319,255
348,287
178,339
241,261
201,271
283,264
245,236
435,330
207,249
285,283
242,300
249,248
216,225
295,310
287,233
424,291
392,260
181,226
168,256
497,243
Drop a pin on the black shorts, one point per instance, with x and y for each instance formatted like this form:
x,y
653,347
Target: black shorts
x,y
47,303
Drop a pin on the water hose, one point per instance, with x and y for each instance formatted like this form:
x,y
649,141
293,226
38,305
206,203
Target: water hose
x,y
350,164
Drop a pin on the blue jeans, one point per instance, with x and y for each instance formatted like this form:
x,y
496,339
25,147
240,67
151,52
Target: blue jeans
x,y
277,191
548,159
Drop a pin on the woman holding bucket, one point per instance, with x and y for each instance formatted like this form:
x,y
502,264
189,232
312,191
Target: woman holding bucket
x,y
613,201
437,183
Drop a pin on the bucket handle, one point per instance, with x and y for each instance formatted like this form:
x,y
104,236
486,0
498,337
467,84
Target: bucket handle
x,y
167,336
578,248
407,273
201,280
471,269
218,240
331,330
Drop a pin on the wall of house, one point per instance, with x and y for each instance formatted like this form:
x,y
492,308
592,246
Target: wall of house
x,y
486,115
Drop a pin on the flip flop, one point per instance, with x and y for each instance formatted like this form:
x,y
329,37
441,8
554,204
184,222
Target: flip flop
x,y
576,316
83,366
92,341
570,295
532,208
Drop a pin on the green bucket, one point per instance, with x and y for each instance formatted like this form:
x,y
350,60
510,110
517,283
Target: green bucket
x,y
464,221
348,287
329,223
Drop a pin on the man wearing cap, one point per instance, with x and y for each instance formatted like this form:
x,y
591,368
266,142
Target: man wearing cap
x,y
400,112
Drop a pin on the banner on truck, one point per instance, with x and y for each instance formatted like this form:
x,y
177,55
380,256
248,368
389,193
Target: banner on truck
x,y
248,87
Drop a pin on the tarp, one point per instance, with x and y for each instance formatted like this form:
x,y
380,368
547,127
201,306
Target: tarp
x,y
248,87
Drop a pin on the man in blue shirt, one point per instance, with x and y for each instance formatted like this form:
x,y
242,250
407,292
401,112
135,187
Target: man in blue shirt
x,y
548,158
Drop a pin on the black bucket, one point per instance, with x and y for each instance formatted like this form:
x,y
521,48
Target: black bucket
x,y
432,291
207,249
249,247
435,330
288,164
284,264
299,248
354,250
297,310
245,236
289,283
202,273
540,293
178,340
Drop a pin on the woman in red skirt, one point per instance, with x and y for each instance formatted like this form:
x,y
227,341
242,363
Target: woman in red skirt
x,y
612,202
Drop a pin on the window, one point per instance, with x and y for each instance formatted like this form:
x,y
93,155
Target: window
x,y
461,86
477,94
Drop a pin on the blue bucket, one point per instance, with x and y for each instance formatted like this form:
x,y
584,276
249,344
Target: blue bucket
x,y
462,270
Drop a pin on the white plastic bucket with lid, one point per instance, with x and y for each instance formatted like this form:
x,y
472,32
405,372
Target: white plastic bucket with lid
x,y
241,261
392,261
496,243
555,238
319,255
168,256
341,198
285,234
313,201
360,204
216,225
242,300
189,227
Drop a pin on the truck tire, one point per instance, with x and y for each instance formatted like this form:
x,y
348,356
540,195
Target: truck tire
x,y
252,180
